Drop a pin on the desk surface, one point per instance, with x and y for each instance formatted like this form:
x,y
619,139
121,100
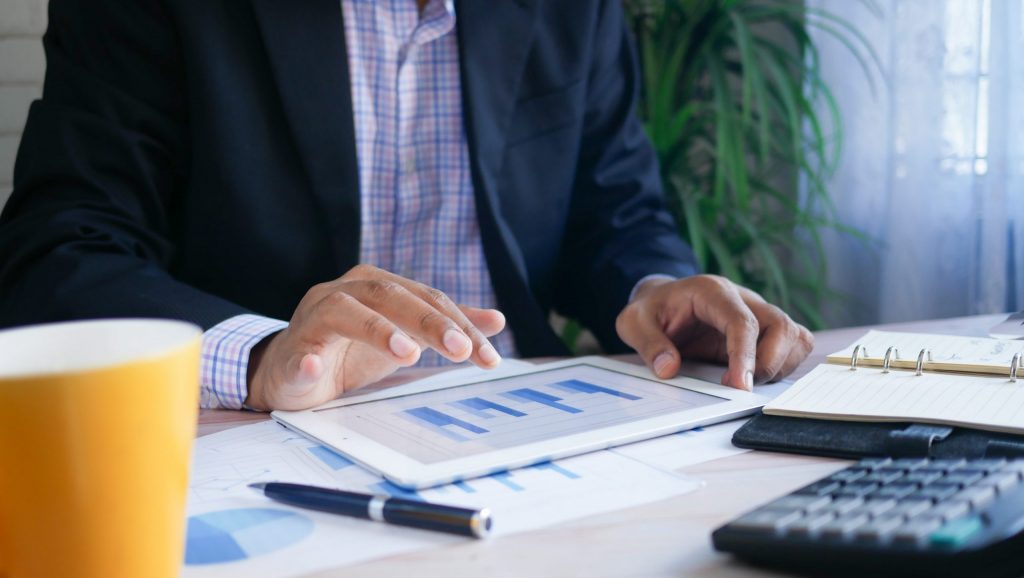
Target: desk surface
x,y
667,538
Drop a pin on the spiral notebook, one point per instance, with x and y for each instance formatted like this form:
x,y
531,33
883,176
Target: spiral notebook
x,y
915,377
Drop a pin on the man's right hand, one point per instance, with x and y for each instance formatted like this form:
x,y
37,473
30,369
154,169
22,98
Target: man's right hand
x,y
358,329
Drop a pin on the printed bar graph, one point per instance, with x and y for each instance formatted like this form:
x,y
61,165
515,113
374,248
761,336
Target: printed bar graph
x,y
578,386
478,406
441,419
331,459
556,468
505,479
540,397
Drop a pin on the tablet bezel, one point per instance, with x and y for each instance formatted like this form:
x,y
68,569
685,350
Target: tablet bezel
x,y
409,473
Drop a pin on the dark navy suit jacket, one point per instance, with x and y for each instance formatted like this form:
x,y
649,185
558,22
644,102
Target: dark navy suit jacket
x,y
196,160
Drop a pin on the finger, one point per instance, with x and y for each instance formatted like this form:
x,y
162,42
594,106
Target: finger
x,y
418,318
799,352
639,328
481,352
454,344
341,314
723,309
779,337
490,322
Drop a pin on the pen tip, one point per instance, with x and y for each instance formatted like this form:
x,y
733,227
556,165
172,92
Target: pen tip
x,y
258,486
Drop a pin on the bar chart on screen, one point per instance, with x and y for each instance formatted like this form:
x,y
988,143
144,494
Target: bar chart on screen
x,y
461,421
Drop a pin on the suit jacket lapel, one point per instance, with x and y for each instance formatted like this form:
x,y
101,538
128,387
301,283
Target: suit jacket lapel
x,y
305,44
494,41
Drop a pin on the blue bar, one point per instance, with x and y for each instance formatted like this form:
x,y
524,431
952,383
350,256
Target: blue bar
x,y
440,419
557,468
697,429
387,488
542,398
478,404
584,387
504,479
331,459
464,487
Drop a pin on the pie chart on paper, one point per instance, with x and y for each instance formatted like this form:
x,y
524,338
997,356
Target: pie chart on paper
x,y
242,533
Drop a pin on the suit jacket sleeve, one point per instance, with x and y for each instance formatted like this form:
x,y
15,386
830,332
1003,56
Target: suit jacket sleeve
x,y
85,232
619,229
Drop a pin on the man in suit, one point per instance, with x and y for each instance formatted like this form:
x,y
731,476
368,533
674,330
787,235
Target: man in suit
x,y
386,175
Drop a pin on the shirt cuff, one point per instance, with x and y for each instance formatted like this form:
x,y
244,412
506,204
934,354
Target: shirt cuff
x,y
224,364
632,293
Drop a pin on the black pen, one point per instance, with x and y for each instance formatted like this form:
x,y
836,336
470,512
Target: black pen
x,y
462,521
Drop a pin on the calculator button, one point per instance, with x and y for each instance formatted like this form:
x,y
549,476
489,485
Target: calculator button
x,y
910,508
915,531
961,478
946,464
804,503
883,476
843,505
921,476
849,475
1016,466
857,489
956,533
877,507
874,462
896,491
842,527
877,529
810,524
987,464
1001,481
935,492
769,521
908,463
820,488
977,496
949,510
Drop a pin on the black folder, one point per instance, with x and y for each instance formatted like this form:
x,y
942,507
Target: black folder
x,y
856,439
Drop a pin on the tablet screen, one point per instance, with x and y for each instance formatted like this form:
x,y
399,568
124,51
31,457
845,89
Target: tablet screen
x,y
466,420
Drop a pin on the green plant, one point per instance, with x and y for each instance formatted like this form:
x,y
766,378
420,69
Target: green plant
x,y
733,100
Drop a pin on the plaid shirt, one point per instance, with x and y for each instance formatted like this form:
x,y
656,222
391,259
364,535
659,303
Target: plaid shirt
x,y
418,212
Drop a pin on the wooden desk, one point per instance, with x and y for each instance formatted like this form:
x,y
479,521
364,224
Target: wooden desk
x,y
667,538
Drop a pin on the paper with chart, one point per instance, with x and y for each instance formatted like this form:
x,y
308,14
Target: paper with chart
x,y
233,529
868,394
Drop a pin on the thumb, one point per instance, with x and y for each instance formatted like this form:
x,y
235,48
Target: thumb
x,y
302,370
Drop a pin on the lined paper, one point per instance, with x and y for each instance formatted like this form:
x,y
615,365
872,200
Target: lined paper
x,y
867,394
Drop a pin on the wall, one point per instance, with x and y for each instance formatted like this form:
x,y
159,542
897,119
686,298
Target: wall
x,y
22,23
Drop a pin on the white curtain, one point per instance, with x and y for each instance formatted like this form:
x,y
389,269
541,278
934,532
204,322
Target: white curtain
x,y
932,165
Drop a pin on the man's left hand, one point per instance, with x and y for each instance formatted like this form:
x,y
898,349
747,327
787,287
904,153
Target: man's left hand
x,y
710,318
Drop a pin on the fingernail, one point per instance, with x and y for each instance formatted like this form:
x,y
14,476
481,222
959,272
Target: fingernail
x,y
455,342
401,345
661,363
748,380
489,355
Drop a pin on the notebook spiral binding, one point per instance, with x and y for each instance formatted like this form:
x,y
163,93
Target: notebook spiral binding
x,y
924,355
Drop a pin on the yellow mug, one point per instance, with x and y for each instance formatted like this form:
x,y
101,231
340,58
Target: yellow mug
x,y
97,420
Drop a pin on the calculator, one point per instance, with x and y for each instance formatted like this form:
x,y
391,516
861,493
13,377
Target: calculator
x,y
888,517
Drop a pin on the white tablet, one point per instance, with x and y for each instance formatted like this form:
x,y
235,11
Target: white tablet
x,y
443,432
